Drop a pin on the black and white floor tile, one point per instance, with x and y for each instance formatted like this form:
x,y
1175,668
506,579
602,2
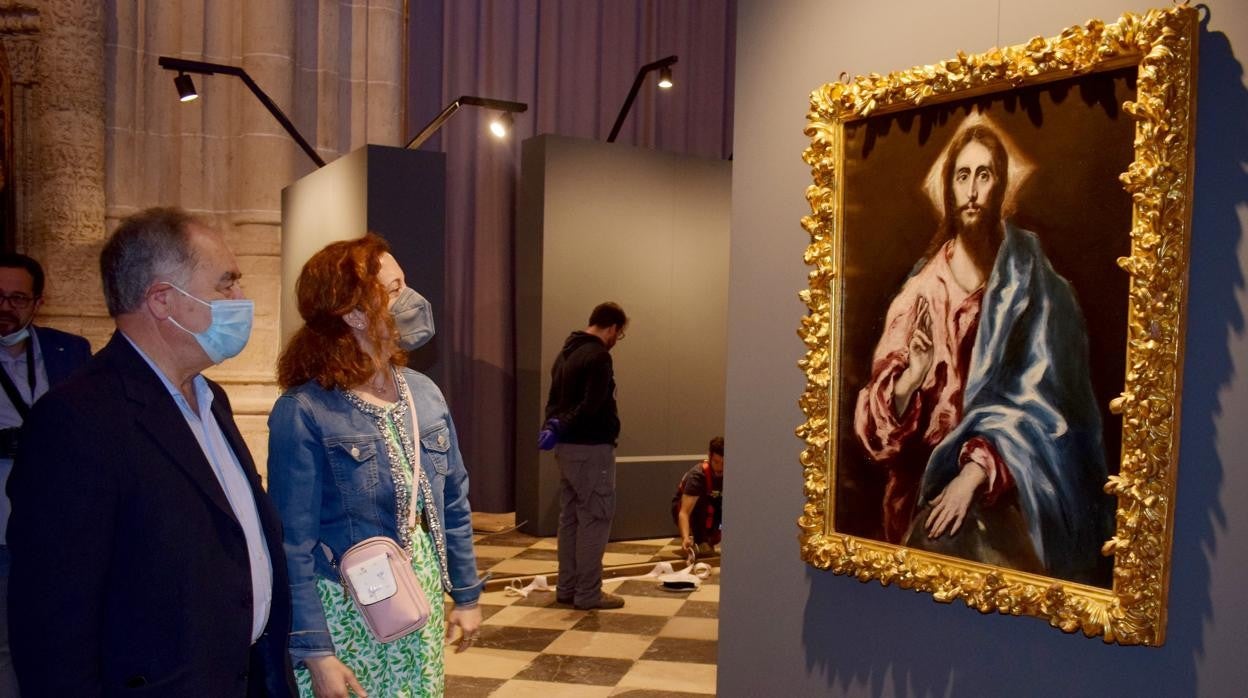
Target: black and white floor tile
x,y
662,643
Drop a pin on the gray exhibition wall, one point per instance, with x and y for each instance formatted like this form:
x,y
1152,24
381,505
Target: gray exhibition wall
x,y
649,230
789,630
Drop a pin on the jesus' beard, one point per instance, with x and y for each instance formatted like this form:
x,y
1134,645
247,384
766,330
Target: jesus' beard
x,y
981,236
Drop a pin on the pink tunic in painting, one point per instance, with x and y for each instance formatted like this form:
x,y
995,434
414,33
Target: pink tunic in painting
x,y
902,444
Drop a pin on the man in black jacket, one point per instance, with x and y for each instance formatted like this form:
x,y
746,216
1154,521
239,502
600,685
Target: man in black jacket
x,y
581,416
32,359
146,557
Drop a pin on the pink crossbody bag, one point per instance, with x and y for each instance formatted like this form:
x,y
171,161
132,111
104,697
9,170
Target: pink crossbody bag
x,y
377,572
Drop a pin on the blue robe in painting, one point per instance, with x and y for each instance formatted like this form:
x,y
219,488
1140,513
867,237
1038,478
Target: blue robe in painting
x,y
1029,393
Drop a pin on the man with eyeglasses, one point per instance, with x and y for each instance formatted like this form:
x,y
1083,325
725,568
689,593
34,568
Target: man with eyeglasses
x,y
33,359
582,426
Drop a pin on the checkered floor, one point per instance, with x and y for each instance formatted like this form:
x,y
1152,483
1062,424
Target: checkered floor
x,y
513,554
661,643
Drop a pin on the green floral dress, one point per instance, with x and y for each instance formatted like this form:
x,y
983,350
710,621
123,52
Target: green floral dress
x,y
410,666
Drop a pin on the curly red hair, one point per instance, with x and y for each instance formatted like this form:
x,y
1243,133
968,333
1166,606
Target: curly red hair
x,y
340,278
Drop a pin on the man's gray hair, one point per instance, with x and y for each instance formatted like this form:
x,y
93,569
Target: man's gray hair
x,y
149,245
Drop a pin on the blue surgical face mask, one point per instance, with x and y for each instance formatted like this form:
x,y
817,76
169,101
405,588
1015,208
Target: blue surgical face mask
x,y
15,338
230,328
413,317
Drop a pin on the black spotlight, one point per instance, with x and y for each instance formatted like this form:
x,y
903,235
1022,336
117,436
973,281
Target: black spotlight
x,y
186,87
664,66
665,77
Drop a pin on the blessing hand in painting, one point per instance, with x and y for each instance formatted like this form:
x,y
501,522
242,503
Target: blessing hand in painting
x,y
920,350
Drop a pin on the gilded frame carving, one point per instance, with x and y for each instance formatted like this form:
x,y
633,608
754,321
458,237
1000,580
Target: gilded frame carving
x,y
1162,45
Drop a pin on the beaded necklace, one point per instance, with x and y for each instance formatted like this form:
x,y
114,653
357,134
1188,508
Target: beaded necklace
x,y
402,452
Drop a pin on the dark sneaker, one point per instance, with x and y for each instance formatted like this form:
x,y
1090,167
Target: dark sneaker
x,y
563,600
605,601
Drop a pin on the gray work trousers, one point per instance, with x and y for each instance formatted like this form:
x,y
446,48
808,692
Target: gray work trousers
x,y
587,503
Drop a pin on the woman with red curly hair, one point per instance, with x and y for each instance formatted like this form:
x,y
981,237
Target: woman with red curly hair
x,y
347,461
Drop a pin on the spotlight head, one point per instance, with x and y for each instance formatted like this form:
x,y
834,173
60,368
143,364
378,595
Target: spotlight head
x,y
186,87
501,125
665,77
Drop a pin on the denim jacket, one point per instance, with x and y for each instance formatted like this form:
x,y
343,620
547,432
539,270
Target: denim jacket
x,y
330,477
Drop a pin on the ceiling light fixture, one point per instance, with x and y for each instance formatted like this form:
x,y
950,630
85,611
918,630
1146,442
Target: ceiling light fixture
x,y
665,77
499,126
184,66
664,66
186,87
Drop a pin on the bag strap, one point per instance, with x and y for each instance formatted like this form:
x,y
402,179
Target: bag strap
x,y
426,492
710,487
417,471
15,397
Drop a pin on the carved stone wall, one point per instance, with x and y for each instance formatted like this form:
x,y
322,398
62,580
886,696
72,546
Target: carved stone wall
x,y
55,50
19,32
99,133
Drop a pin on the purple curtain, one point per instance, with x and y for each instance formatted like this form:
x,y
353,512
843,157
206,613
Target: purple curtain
x,y
573,62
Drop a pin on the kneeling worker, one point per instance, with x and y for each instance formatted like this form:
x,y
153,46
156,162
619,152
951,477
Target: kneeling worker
x,y
698,504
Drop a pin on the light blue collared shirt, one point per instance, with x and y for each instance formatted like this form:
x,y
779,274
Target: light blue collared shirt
x,y
234,482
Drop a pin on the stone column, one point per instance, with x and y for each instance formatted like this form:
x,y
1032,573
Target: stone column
x,y
19,31
57,54
264,160
384,71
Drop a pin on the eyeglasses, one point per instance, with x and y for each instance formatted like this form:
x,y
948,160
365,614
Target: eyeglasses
x,y
17,301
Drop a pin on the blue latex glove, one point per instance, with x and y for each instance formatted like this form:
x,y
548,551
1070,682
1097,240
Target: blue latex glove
x,y
548,437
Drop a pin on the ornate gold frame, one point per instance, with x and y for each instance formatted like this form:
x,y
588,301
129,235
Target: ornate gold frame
x,y
1163,45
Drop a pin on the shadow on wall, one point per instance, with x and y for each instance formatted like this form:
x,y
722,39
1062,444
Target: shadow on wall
x,y
867,641
1214,319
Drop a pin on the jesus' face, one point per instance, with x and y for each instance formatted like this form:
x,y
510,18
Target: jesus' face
x,y
974,184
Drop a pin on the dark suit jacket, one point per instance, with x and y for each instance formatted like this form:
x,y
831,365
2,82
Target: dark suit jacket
x,y
62,352
130,570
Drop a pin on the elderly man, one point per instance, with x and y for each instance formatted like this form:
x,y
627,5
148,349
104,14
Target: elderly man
x,y
34,359
980,405
145,553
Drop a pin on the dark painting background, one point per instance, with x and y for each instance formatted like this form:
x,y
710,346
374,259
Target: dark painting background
x,y
1078,139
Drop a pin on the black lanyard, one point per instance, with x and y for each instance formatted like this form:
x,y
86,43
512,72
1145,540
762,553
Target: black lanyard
x,y
15,397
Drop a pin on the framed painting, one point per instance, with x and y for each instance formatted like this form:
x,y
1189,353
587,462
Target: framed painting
x,y
995,324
